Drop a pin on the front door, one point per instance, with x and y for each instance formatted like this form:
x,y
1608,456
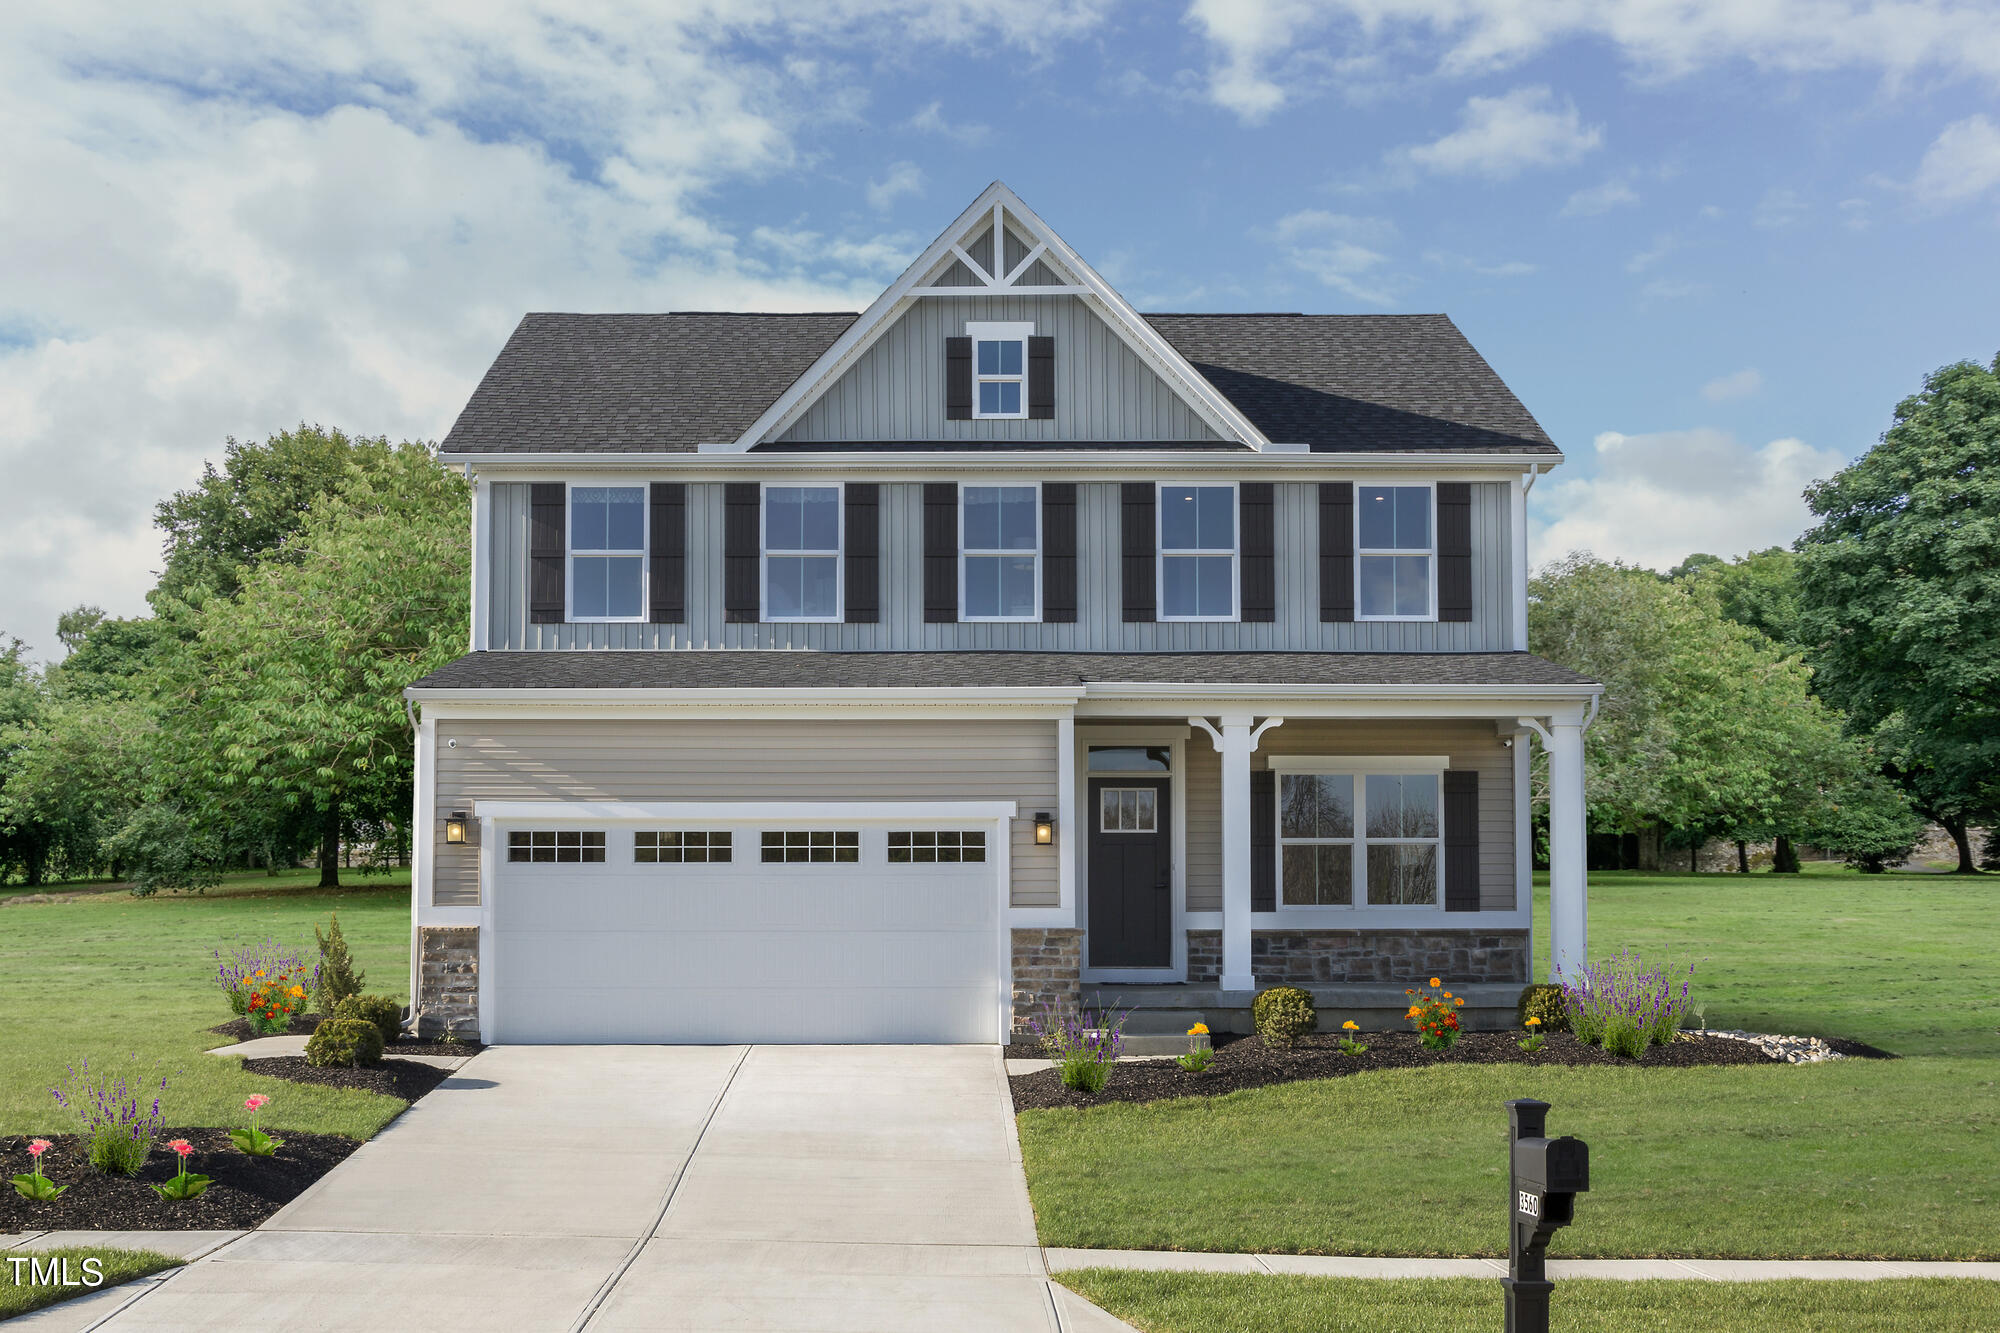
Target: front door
x,y
1131,873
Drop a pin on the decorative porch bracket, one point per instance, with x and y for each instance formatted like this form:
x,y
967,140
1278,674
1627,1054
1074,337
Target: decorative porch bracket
x,y
1236,741
1569,940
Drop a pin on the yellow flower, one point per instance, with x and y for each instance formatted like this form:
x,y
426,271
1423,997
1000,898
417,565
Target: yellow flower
x,y
1436,982
1351,1025
1198,1030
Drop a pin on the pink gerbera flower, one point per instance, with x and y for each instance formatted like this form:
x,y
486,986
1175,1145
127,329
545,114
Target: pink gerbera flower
x,y
256,1101
38,1147
181,1146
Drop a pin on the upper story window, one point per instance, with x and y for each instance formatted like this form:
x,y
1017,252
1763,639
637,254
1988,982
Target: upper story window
x,y
999,370
1395,553
607,552
802,553
1000,553
1197,552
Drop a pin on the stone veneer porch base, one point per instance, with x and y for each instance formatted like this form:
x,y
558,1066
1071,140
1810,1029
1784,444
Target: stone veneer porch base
x,y
1048,966
448,981
1355,957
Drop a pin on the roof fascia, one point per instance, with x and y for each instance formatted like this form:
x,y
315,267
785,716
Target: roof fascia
x,y
1272,463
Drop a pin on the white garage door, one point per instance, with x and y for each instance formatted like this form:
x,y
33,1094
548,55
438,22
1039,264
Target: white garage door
x,y
775,930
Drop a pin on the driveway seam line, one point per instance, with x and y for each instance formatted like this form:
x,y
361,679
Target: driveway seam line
x,y
611,1281
153,1282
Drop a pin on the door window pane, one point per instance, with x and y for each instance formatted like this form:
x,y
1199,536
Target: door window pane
x,y
1131,758
1128,810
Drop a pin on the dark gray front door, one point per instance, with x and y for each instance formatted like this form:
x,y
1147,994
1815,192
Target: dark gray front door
x,y
1131,873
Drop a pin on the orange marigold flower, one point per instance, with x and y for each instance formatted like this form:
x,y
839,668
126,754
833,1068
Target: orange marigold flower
x,y
1436,982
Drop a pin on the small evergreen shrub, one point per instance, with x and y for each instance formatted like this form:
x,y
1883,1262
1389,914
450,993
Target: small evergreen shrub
x,y
1282,1015
344,1042
1543,1000
338,977
385,1012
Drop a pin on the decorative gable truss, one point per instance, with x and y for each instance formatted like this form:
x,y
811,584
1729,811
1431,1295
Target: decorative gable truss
x,y
1000,247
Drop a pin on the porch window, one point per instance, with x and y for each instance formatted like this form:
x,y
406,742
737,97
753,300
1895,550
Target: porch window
x,y
556,845
1197,552
607,552
1395,555
802,553
999,566
1378,831
1316,836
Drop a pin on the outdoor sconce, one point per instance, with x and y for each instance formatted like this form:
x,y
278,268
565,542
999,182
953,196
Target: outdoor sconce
x,y
1045,828
454,828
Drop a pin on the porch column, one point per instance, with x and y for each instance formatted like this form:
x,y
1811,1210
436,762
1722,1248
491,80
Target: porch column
x,y
1568,941
1236,741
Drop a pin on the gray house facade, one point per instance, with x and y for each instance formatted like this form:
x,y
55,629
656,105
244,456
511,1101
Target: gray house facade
x,y
895,676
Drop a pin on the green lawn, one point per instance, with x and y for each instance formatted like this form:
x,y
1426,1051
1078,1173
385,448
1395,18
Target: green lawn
x,y
1848,1159
1242,1303
110,976
116,1266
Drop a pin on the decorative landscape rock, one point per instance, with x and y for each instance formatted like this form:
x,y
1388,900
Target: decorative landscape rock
x,y
1792,1050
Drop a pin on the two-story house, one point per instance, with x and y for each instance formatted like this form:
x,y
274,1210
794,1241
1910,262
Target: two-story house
x,y
843,678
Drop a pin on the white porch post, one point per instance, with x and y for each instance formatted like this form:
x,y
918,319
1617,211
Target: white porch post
x,y
1236,742
1568,900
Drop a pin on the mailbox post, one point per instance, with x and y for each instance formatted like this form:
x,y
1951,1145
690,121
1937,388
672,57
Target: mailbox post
x,y
1544,1177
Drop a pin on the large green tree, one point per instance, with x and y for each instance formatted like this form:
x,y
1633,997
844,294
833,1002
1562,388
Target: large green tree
x,y
1760,589
1899,596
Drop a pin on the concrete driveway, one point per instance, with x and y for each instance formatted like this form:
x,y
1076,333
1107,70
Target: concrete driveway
x,y
857,1188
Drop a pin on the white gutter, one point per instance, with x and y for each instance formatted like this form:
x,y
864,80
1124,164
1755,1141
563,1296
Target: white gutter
x,y
1222,458
1016,696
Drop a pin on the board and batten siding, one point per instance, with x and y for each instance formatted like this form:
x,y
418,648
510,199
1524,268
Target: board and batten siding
x,y
793,760
1099,626
896,390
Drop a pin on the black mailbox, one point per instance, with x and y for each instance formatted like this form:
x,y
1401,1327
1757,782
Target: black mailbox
x,y
1545,1175
1552,1166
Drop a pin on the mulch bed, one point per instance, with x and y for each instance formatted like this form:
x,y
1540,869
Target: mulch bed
x,y
238,1029
303,1025
1246,1062
408,1079
246,1189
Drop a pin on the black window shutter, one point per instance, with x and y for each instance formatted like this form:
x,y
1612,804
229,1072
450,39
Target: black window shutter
x,y
1041,379
1136,519
1256,505
1454,508
1336,550
958,379
546,551
742,599
941,551
1059,552
1461,840
1263,840
863,538
666,576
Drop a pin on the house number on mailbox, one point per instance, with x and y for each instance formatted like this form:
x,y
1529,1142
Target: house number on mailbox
x,y
1531,1204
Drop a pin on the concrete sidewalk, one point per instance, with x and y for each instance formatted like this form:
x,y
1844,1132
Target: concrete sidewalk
x,y
1623,1270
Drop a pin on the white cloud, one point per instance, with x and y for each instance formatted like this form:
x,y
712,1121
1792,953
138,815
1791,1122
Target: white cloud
x,y
1341,251
1506,268
902,178
1597,199
931,120
225,218
1499,137
1961,164
1779,208
1729,388
1654,499
1252,36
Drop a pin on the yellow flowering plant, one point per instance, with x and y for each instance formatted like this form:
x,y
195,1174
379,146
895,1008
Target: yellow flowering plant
x,y
1348,1044
1536,1038
1198,1055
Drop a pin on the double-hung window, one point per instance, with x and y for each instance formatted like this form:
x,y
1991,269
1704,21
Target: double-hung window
x,y
999,370
607,552
1396,553
1348,836
1197,552
802,553
1001,552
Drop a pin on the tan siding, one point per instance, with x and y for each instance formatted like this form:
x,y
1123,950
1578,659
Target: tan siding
x,y
748,761
1204,825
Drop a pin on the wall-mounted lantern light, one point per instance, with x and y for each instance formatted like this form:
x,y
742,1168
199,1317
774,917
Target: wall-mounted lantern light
x,y
1045,828
454,828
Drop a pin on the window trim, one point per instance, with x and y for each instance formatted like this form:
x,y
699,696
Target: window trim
x,y
1017,331
1361,553
1360,768
839,553
1160,552
570,553
966,552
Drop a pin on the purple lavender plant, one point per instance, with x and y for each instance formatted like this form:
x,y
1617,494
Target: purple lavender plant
x,y
236,973
112,1114
1623,1005
1082,1042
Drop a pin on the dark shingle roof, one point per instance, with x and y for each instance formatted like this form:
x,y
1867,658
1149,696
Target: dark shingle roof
x,y
699,669
614,383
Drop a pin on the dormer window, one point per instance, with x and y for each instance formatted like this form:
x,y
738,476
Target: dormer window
x,y
999,371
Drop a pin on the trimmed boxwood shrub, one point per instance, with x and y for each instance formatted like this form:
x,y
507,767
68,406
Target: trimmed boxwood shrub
x,y
1283,1014
1545,1001
344,1041
384,1011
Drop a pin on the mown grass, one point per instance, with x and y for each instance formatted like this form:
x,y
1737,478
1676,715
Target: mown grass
x,y
1244,1303
129,983
115,1266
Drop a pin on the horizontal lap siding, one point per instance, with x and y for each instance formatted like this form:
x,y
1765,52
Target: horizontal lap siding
x,y
1099,626
1204,825
748,761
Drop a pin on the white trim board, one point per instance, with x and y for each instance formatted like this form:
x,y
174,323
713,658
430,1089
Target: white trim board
x,y
716,462
865,812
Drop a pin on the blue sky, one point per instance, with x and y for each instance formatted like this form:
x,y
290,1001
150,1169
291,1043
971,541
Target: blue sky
x,y
1709,244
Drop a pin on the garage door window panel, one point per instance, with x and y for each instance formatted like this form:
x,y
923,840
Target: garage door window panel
x,y
811,847
556,846
681,847
936,847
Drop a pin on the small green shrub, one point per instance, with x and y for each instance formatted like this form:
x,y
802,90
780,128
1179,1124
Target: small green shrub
x,y
1543,1000
348,1042
338,977
1282,1015
384,1011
